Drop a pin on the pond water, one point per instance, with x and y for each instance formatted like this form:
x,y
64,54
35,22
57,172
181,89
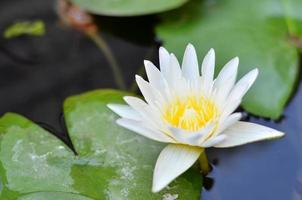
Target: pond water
x,y
38,73
264,170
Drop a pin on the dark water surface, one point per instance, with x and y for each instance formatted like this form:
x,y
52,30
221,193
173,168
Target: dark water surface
x,y
268,170
37,74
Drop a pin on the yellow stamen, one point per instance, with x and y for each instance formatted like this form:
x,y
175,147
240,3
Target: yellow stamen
x,y
190,114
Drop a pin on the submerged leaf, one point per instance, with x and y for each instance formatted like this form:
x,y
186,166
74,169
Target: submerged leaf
x,y
35,28
112,163
256,31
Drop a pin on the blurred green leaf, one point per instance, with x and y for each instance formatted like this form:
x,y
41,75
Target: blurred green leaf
x,y
256,31
112,163
293,16
35,28
128,7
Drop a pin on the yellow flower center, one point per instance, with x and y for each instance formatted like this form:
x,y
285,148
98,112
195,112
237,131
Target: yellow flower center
x,y
190,114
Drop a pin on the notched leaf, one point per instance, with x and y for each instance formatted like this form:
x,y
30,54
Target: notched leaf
x,y
112,163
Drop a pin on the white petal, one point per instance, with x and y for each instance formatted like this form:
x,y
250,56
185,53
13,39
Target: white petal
x,y
139,128
153,74
225,80
151,95
229,121
243,85
189,65
156,79
149,114
174,71
245,132
175,79
230,106
172,162
136,103
192,138
213,141
207,70
226,122
124,111
165,82
164,58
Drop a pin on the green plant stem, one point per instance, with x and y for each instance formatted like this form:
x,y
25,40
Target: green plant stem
x,y
102,45
203,162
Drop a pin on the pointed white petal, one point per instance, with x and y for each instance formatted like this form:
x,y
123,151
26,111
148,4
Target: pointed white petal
x,y
163,60
213,141
153,74
229,121
175,79
139,128
136,103
172,162
150,94
189,65
124,111
157,80
207,70
225,80
176,71
169,78
226,122
245,132
243,85
185,137
168,66
230,107
149,114
229,71
191,138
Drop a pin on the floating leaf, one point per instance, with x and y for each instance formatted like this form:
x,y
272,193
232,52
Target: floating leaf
x,y
293,16
112,163
35,28
128,7
256,31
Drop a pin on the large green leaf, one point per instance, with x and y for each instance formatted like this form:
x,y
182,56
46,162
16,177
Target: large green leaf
x,y
112,163
256,31
128,7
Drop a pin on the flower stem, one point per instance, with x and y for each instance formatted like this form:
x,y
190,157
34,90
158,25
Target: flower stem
x,y
102,45
203,162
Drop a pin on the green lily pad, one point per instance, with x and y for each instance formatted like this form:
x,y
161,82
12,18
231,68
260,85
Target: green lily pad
x,y
111,162
256,31
128,7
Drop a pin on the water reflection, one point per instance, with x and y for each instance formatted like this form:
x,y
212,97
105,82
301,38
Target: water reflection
x,y
265,170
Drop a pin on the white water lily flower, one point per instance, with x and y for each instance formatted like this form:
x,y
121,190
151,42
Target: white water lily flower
x,y
190,110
